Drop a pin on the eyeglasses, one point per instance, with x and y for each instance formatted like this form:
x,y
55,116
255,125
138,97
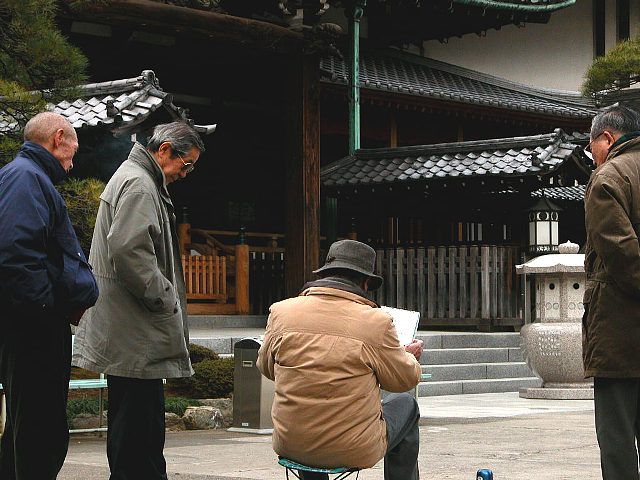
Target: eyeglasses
x,y
187,167
587,149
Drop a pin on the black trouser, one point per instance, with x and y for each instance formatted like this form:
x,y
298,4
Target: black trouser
x,y
617,413
135,434
401,414
35,365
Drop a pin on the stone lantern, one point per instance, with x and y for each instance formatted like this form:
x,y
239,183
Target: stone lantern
x,y
552,345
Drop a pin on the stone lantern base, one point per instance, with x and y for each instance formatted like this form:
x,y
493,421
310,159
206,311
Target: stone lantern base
x,y
578,392
553,351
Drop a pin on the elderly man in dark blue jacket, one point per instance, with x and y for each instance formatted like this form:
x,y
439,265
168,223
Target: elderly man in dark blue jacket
x,y
45,284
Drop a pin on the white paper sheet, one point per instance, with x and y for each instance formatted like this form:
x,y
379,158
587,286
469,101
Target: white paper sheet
x,y
406,323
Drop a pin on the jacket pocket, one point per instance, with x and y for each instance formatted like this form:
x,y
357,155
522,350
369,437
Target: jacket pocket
x,y
76,286
167,337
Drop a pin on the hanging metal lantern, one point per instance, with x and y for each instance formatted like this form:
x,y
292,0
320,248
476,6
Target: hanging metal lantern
x,y
543,227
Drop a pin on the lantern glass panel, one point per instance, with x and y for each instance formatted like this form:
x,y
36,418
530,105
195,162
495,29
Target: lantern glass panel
x,y
554,233
532,234
543,233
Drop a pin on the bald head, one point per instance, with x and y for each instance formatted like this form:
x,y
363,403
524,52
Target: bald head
x,y
43,126
56,134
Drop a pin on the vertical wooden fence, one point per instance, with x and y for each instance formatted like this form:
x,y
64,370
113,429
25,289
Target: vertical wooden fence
x,y
266,280
457,285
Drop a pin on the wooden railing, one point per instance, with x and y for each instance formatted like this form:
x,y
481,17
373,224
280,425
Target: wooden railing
x,y
456,285
205,277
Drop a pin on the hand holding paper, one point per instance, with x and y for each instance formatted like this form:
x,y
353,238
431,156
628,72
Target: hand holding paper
x,y
415,348
406,323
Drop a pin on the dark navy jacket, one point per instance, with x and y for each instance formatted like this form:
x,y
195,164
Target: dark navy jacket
x,y
42,266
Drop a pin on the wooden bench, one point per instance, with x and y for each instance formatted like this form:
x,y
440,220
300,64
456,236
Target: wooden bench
x,y
81,384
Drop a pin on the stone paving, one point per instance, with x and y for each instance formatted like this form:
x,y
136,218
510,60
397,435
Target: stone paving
x,y
519,439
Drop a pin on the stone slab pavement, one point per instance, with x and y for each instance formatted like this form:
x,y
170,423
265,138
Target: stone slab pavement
x,y
519,439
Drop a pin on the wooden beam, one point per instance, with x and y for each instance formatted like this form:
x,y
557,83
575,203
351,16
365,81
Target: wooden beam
x,y
302,239
153,15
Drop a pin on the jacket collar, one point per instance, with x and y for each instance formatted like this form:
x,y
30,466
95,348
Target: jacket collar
x,y
628,141
141,156
337,287
45,160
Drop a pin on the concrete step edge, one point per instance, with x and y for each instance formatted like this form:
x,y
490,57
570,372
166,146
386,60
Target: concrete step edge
x,y
481,380
493,364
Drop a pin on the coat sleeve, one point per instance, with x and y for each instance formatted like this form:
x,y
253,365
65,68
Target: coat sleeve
x,y
395,368
131,251
611,232
24,232
266,356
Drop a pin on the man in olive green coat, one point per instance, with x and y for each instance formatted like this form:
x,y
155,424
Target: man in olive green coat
x,y
611,323
137,333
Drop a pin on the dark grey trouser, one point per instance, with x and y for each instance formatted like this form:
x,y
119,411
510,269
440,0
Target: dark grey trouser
x,y
401,414
617,413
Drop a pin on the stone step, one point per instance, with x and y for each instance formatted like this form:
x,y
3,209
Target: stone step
x,y
227,321
441,356
459,387
476,371
436,340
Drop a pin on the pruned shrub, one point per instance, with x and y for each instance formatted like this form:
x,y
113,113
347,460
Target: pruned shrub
x,y
76,406
178,405
195,387
213,378
198,353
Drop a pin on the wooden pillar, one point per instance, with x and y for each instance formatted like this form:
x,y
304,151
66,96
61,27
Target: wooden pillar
x,y
393,130
184,237
242,279
3,411
302,240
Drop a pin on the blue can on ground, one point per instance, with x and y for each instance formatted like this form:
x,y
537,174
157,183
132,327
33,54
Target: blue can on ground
x,y
484,474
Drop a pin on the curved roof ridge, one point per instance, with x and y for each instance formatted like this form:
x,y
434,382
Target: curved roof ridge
x,y
531,6
566,96
147,77
467,146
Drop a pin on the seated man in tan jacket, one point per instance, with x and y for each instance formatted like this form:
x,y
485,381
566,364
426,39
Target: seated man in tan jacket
x,y
330,351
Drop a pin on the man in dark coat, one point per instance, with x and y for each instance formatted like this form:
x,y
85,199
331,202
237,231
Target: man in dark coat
x,y
45,284
611,323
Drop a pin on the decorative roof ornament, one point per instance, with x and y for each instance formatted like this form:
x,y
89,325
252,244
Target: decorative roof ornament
x,y
568,247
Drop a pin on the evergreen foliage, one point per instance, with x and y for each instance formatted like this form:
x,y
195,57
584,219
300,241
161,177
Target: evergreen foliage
x,y
37,65
82,198
616,70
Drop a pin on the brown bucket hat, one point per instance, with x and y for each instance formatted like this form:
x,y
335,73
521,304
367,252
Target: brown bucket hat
x,y
353,255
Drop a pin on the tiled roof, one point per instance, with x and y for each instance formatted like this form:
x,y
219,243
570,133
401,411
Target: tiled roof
x,y
520,5
579,138
402,73
573,193
118,104
503,157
